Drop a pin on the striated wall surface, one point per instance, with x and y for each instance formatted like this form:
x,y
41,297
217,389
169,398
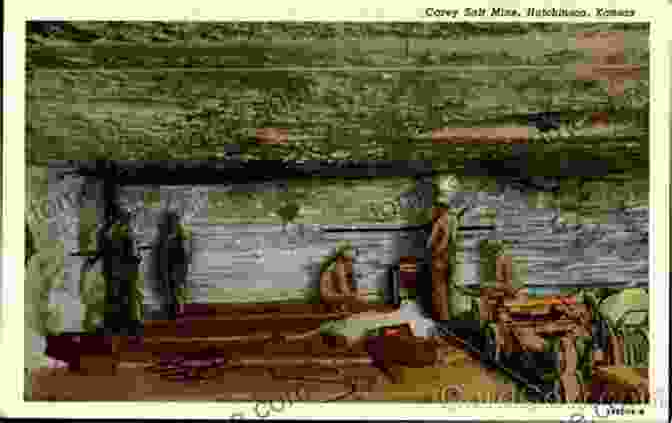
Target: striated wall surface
x,y
239,258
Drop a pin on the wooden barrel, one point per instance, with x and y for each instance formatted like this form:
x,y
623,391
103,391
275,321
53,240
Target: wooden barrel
x,y
408,272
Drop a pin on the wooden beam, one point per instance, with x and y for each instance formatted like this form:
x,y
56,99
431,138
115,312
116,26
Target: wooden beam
x,y
216,172
213,172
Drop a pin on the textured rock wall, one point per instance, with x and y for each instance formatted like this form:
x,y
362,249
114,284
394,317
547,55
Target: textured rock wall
x,y
53,210
260,256
607,248
611,249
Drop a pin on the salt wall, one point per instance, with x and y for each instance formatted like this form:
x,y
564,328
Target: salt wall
x,y
241,253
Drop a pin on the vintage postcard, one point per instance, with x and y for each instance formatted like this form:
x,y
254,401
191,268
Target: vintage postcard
x,y
275,216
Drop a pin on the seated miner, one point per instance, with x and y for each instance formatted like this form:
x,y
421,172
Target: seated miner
x,y
492,300
505,286
336,288
336,280
504,276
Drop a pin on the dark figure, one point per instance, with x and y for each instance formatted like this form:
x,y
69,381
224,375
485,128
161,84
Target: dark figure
x,y
121,268
173,260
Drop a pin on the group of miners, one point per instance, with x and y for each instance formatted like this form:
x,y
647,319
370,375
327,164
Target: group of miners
x,y
337,286
121,261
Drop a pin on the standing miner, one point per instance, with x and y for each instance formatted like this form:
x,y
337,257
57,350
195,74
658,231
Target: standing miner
x,y
173,263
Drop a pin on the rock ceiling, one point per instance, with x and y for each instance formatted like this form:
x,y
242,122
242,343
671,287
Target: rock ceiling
x,y
449,94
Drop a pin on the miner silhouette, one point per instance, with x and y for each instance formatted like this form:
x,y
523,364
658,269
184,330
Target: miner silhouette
x,y
173,260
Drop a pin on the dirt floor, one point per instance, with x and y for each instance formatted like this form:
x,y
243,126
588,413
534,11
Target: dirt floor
x,y
461,379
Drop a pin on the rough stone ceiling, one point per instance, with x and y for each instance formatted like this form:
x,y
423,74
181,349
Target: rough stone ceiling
x,y
331,92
